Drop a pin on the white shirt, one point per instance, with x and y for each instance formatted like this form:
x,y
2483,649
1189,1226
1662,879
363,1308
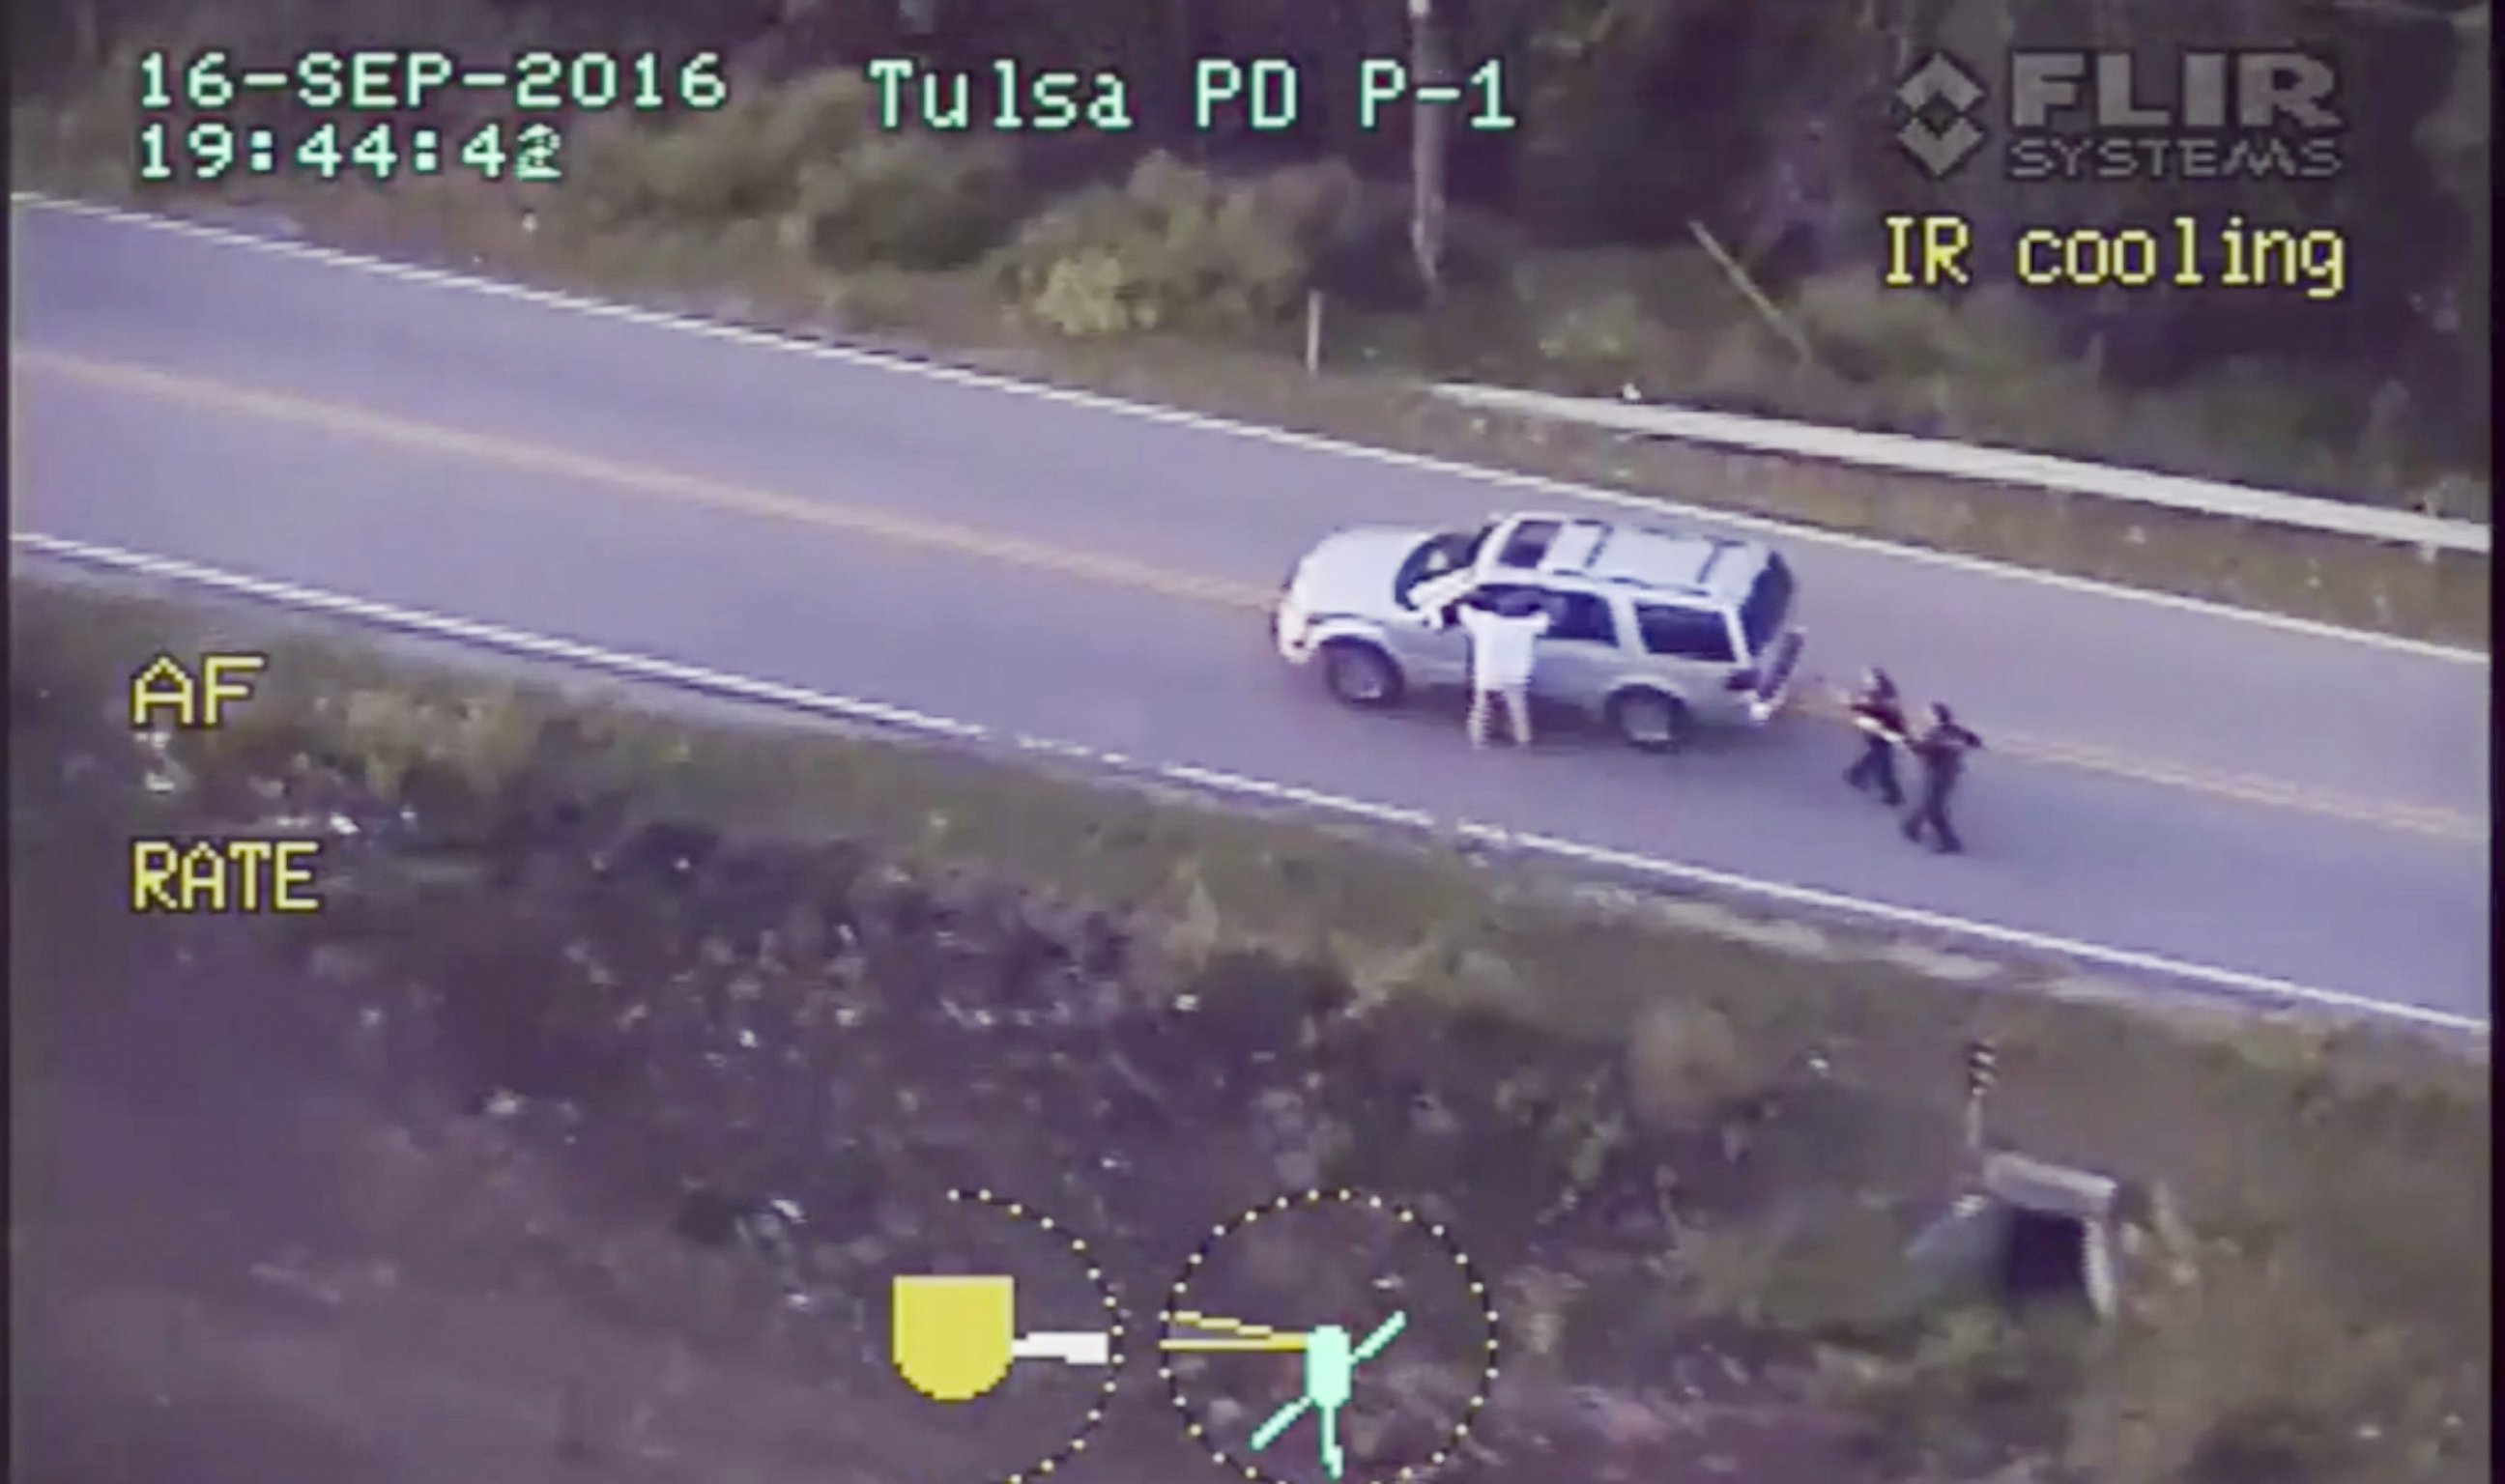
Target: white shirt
x,y
1501,647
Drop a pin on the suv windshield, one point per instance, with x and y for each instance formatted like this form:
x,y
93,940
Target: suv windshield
x,y
1448,552
1769,603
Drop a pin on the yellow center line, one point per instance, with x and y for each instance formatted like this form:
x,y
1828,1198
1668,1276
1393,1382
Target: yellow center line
x,y
642,479
993,546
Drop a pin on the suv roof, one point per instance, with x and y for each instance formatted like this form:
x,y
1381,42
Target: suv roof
x,y
1650,556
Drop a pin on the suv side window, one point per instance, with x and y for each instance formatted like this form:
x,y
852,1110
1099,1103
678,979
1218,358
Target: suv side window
x,y
1579,618
1582,617
1529,543
1685,634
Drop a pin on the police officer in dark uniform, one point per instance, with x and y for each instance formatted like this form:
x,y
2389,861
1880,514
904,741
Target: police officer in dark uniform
x,y
1941,751
1880,715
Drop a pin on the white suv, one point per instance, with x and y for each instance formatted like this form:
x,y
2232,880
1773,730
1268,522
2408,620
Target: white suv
x,y
1652,631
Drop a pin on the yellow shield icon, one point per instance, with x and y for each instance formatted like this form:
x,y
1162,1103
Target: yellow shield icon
x,y
953,1334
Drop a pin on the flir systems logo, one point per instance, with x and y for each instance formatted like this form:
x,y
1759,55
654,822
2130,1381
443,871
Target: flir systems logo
x,y
2089,116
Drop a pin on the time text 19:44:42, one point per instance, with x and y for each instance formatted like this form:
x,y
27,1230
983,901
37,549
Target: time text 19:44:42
x,y
209,150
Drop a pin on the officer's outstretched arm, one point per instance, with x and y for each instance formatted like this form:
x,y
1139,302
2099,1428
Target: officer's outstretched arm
x,y
1435,597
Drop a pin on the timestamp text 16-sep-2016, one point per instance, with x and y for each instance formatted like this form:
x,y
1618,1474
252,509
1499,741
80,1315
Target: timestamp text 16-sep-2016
x,y
362,114
354,109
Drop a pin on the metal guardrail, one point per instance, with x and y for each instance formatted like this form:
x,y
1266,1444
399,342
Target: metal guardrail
x,y
1998,465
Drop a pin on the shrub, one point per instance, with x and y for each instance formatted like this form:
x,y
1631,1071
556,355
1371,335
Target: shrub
x,y
1680,289
485,741
1821,1265
1174,248
1600,319
88,136
1318,203
1918,1405
746,161
909,201
631,177
1869,332
1684,1065
1602,341
1987,368
2248,419
1748,368
1356,234
821,116
1092,296
2244,1373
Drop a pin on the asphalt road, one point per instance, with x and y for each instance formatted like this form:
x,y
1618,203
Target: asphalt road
x,y
2167,780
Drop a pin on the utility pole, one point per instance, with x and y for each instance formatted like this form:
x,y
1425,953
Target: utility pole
x,y
1429,64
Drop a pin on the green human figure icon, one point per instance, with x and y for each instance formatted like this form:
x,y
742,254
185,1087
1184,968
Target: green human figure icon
x,y
1329,1372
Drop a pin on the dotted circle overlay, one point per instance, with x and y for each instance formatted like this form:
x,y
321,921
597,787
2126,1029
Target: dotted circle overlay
x,y
1061,1456
1490,1358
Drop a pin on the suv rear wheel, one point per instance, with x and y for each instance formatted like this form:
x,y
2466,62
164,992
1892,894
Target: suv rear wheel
x,y
1361,674
1649,721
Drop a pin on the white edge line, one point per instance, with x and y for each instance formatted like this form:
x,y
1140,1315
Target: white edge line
x,y
793,344
497,636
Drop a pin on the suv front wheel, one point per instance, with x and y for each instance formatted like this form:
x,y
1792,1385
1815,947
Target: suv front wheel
x,y
1361,674
1649,721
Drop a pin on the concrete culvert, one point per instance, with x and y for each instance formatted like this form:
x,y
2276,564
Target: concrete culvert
x,y
2044,1259
2034,1232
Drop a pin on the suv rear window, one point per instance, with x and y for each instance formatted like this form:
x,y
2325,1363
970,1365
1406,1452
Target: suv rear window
x,y
1685,634
1768,605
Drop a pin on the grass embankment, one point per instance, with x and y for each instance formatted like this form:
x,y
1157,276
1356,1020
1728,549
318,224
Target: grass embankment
x,y
790,207
781,961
